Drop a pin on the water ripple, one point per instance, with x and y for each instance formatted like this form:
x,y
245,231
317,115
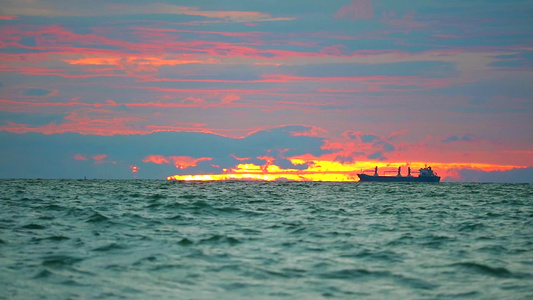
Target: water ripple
x,y
148,239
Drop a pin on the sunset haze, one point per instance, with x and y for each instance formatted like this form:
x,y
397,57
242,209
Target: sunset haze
x,y
266,90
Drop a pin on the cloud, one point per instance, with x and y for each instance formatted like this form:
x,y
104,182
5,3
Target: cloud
x,y
157,155
8,18
134,68
133,64
97,159
66,8
517,175
193,100
455,138
39,92
102,159
156,159
363,145
356,10
376,156
230,98
407,20
368,138
269,154
80,157
181,162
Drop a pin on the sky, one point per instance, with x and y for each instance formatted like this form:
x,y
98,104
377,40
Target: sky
x,y
270,90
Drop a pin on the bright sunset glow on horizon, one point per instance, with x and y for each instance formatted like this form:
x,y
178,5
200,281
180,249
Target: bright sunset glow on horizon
x,y
330,171
251,90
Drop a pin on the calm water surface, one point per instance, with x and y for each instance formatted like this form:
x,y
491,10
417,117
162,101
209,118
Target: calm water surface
x,y
140,239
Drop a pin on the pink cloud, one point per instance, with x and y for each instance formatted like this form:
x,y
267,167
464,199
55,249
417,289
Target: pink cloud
x,y
334,50
282,78
147,32
374,82
230,98
239,158
8,18
192,100
80,157
357,9
100,157
407,20
80,123
312,131
97,159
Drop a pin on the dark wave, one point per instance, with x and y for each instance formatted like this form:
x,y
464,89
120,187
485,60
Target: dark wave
x,y
55,238
220,239
43,274
110,247
97,218
156,197
484,269
60,260
349,274
185,242
33,226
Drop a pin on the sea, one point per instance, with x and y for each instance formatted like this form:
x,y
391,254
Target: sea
x,y
154,239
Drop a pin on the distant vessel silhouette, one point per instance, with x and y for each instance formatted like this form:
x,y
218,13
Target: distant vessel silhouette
x,y
425,175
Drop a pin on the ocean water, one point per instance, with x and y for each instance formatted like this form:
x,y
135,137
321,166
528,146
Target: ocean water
x,y
142,239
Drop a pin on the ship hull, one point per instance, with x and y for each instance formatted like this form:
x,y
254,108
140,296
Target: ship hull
x,y
364,177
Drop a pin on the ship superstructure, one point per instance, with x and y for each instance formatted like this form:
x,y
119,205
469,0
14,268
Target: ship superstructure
x,y
425,174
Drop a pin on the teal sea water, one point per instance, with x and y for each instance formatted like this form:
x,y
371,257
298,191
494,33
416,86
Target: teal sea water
x,y
141,239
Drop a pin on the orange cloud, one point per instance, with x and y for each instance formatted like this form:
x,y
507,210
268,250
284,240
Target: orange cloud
x,y
134,60
181,162
130,64
156,159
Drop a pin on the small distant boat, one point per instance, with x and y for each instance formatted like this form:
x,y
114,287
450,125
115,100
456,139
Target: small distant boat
x,y
424,175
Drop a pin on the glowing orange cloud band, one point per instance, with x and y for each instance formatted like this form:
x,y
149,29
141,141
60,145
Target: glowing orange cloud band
x,y
181,162
321,170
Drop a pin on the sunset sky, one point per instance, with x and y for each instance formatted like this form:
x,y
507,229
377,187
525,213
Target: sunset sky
x,y
298,90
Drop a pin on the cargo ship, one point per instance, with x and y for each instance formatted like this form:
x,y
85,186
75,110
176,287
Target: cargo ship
x,y
424,175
